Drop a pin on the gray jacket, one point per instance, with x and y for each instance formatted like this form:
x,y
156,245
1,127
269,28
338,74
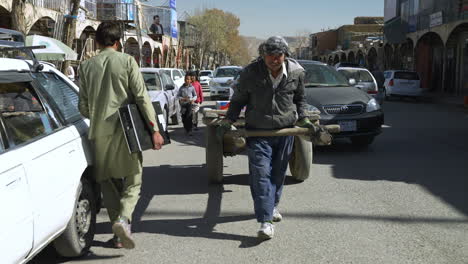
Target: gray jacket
x,y
269,108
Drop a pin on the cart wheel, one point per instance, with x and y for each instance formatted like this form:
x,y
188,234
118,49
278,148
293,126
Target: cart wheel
x,y
301,159
214,156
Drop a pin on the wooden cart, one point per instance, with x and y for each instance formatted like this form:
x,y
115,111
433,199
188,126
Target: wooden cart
x,y
221,143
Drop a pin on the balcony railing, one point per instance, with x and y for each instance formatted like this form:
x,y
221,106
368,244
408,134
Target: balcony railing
x,y
91,9
62,6
122,10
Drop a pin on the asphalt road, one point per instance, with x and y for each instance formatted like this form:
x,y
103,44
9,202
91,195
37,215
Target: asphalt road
x,y
403,200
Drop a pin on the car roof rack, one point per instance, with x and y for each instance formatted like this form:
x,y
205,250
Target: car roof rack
x,y
10,37
36,66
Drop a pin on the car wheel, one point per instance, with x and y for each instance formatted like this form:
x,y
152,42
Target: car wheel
x,y
175,118
362,141
166,117
79,233
386,96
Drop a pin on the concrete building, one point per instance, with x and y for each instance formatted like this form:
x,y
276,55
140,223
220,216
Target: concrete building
x,y
47,17
431,37
357,43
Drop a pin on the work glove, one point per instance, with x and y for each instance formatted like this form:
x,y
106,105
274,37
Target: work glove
x,y
305,123
224,126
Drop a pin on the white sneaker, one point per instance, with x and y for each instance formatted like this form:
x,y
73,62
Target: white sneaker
x,y
277,217
267,230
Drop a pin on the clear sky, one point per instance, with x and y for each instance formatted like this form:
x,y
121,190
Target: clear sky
x,y
264,18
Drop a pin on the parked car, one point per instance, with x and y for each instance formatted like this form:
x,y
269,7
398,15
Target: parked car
x,y
402,84
205,78
46,186
177,75
359,114
161,88
222,80
363,79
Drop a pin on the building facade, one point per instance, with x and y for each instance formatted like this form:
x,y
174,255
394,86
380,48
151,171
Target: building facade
x,y
430,37
47,17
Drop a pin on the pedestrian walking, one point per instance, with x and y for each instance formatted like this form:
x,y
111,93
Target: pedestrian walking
x,y
272,88
109,81
187,97
196,105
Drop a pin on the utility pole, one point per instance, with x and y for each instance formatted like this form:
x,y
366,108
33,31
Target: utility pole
x,y
138,29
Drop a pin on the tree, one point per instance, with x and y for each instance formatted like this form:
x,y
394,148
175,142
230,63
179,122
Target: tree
x,y
18,15
69,29
219,38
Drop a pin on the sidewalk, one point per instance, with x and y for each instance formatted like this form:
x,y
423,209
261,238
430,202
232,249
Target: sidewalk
x,y
445,99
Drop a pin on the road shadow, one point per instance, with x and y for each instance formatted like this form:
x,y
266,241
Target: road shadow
x,y
50,256
423,144
243,179
182,180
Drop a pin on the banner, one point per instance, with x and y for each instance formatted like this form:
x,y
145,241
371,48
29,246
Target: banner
x,y
174,31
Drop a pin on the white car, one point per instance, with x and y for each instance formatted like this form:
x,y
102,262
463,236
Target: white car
x,y
223,78
205,78
402,84
46,187
177,75
364,80
161,88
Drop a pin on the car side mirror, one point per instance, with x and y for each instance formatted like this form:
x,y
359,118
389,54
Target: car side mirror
x,y
352,82
169,87
176,78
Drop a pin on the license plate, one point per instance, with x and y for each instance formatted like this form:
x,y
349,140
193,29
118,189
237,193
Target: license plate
x,y
347,126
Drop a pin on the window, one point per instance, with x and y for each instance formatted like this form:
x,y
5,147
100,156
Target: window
x,y
177,75
152,81
23,114
227,72
407,76
387,75
166,79
358,75
64,96
322,76
205,73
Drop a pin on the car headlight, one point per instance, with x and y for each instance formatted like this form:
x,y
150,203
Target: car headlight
x,y
372,105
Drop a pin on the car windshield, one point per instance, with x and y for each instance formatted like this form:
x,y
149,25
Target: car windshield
x,y
407,76
152,81
322,76
356,74
205,73
227,72
168,72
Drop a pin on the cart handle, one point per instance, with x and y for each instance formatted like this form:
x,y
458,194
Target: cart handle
x,y
296,131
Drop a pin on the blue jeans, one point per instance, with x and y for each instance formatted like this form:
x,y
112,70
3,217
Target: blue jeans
x,y
268,162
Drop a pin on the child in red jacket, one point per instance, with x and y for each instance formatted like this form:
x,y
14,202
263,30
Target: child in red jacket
x,y
196,106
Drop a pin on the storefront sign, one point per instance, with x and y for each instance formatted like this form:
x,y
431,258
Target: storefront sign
x,y
436,19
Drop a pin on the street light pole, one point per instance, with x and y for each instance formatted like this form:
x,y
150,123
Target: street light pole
x,y
138,28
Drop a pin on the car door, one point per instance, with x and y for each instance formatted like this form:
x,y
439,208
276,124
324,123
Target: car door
x,y
34,136
16,238
54,170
